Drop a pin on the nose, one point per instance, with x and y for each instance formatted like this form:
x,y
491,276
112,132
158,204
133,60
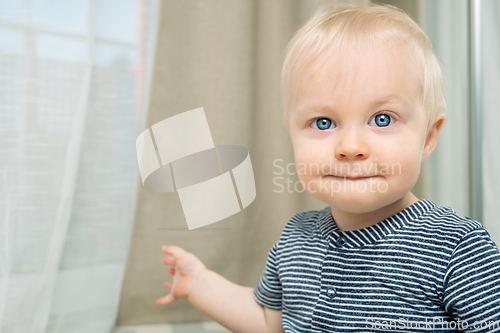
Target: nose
x,y
352,146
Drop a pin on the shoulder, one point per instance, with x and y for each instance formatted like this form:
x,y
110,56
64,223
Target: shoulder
x,y
301,225
446,231
304,221
444,221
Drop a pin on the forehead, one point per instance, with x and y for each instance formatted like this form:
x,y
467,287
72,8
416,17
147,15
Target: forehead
x,y
369,73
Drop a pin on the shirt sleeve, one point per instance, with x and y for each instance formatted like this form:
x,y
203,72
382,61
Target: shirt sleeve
x,y
472,283
268,291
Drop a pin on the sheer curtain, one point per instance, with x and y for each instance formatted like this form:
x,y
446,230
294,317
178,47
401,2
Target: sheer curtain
x,y
490,59
73,85
447,24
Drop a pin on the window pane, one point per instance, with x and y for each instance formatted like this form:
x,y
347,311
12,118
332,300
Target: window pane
x,y
68,49
68,16
116,20
12,41
110,55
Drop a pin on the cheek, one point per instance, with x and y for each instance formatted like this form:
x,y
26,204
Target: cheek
x,y
405,160
311,156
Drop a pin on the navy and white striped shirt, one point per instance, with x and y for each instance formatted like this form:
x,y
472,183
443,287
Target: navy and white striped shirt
x,y
425,269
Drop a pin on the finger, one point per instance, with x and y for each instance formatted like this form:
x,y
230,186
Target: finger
x,y
174,250
168,284
172,271
165,300
169,261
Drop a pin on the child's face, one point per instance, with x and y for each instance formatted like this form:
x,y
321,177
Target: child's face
x,y
371,124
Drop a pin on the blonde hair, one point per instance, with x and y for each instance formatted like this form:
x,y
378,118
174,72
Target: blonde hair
x,y
335,27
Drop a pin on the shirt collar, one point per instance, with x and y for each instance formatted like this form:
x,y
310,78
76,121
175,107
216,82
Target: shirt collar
x,y
369,235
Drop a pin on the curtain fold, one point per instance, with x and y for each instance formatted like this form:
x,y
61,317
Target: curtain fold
x,y
72,77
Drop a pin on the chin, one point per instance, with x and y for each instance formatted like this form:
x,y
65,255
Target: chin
x,y
359,203
350,202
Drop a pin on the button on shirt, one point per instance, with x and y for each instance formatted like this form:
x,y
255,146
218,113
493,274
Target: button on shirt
x,y
331,292
423,269
340,241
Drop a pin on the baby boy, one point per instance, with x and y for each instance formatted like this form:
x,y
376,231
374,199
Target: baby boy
x,y
364,104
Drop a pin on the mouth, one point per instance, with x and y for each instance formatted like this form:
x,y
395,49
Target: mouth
x,y
352,177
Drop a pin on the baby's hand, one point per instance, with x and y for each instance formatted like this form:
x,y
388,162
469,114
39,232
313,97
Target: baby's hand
x,y
187,268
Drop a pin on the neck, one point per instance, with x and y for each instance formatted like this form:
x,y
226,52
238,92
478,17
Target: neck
x,y
346,221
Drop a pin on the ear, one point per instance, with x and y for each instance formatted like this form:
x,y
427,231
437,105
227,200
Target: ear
x,y
432,137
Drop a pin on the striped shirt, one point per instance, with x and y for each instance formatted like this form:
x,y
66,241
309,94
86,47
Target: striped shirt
x,y
424,269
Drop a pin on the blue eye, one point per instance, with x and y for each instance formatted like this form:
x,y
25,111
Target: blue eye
x,y
382,120
322,124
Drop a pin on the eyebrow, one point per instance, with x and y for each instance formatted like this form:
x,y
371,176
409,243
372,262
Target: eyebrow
x,y
393,98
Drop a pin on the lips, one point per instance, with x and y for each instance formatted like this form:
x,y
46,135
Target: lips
x,y
352,177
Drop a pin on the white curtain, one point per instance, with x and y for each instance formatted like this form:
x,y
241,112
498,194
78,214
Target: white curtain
x,y
490,59
446,23
73,93
446,26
